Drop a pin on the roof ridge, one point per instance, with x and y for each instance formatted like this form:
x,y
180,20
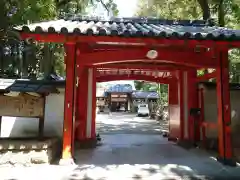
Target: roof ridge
x,y
146,20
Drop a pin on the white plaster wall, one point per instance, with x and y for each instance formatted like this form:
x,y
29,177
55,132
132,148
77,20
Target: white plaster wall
x,y
27,127
54,112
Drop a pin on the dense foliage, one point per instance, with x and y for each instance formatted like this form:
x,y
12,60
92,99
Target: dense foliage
x,y
29,60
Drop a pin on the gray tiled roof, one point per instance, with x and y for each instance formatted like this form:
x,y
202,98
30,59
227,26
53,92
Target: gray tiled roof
x,y
123,88
145,94
133,27
38,86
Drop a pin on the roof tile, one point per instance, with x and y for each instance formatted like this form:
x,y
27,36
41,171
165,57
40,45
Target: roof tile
x,y
151,27
145,94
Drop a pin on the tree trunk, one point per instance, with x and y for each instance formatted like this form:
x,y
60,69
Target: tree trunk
x,y
205,9
46,61
221,14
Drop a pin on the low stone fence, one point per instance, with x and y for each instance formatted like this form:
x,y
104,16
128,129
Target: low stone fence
x,y
28,151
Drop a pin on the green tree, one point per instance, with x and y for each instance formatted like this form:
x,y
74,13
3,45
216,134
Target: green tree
x,y
34,59
79,6
110,5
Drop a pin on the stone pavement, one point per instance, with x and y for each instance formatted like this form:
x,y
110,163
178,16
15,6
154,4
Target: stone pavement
x,y
126,123
128,154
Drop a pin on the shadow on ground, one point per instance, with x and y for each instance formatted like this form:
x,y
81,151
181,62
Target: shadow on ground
x,y
133,149
145,157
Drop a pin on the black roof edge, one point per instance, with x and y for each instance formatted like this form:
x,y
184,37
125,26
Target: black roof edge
x,y
60,83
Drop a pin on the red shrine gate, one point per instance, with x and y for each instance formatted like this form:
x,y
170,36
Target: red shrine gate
x,y
177,47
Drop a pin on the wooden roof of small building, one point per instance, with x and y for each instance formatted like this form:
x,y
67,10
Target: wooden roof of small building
x,y
24,85
145,94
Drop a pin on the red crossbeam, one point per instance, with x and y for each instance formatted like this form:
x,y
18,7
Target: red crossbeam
x,y
162,80
104,72
61,38
203,59
144,66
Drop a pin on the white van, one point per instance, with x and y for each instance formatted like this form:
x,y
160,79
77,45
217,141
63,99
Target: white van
x,y
143,110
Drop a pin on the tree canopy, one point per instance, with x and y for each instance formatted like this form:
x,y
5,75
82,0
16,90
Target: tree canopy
x,y
19,59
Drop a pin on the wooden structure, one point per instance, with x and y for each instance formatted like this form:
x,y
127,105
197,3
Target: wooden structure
x,y
24,98
180,47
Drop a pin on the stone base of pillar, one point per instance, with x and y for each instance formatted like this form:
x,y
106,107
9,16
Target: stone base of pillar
x,y
87,143
229,162
66,162
187,144
173,139
209,144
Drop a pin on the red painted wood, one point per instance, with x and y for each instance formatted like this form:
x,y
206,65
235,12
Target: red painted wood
x,y
94,88
173,93
224,108
144,66
134,77
117,72
82,102
201,105
69,101
194,133
181,104
167,56
60,38
174,110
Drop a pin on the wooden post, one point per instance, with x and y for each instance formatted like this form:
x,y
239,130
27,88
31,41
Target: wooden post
x,y
86,107
193,131
94,87
180,95
201,105
224,111
70,50
81,109
175,121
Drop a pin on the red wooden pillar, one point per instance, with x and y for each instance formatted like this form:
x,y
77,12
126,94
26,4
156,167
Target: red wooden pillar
x,y
176,108
82,95
91,105
94,88
181,104
174,111
70,61
193,125
86,104
224,111
201,120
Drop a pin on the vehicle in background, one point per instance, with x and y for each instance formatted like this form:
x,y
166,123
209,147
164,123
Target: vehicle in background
x,y
122,108
143,110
